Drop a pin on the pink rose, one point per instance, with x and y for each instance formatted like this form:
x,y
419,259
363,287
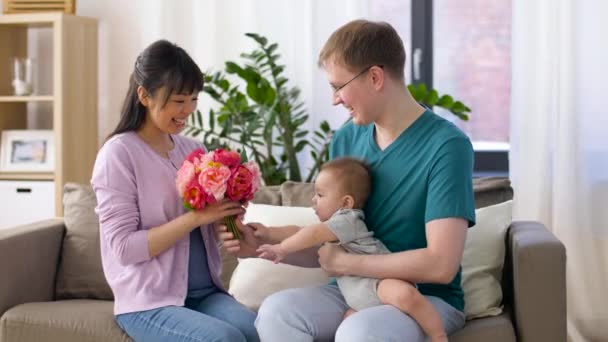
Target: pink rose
x,y
196,154
256,182
213,179
240,185
194,196
184,176
228,158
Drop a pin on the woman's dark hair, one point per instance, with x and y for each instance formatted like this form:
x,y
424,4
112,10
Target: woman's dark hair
x,y
162,64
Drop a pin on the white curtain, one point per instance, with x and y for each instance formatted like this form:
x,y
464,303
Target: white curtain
x,y
559,143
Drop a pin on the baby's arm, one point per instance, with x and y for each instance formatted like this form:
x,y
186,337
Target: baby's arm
x,y
307,237
272,234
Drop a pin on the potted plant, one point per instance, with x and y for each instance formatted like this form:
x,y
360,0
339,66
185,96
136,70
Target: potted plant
x,y
267,119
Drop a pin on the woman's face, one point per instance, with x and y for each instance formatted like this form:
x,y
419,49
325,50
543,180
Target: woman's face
x,y
169,117
353,91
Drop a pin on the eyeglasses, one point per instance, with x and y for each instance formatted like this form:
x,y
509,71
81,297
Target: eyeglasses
x,y
337,89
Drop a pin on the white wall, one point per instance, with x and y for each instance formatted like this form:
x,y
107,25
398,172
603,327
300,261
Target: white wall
x,y
213,32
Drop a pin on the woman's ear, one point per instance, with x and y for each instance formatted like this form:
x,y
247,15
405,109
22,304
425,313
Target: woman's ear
x,y
143,96
348,202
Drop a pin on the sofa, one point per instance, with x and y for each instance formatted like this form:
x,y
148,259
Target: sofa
x,y
52,286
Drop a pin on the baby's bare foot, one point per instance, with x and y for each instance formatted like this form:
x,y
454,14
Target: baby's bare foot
x,y
439,338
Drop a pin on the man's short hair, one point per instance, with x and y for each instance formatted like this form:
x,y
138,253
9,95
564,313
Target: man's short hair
x,y
361,43
353,177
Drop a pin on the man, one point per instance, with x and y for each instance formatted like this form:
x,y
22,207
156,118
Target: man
x,y
420,207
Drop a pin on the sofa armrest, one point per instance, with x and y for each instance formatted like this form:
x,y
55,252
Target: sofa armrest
x,y
29,256
538,280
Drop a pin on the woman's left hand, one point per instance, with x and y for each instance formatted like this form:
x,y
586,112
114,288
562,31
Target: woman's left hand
x,y
332,259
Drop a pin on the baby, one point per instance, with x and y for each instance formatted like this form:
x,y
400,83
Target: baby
x,y
341,189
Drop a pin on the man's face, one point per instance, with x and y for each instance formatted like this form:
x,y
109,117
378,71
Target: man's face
x,y
353,90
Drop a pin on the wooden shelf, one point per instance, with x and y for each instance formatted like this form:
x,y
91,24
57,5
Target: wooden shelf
x,y
27,176
71,53
31,18
32,98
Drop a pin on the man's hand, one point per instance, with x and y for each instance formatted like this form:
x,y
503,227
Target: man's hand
x,y
260,231
244,248
332,259
273,253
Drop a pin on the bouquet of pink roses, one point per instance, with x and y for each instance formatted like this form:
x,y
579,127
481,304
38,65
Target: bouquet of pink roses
x,y
205,178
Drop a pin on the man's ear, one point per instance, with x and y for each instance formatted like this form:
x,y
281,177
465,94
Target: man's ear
x,y
378,76
348,202
142,95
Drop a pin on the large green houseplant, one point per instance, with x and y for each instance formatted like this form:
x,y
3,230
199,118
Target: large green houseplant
x,y
266,121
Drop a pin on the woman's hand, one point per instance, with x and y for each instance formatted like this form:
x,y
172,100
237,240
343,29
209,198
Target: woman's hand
x,y
217,211
244,248
333,259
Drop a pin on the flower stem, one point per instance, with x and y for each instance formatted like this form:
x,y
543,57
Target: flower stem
x,y
229,220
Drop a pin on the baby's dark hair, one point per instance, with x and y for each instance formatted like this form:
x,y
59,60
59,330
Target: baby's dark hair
x,y
353,177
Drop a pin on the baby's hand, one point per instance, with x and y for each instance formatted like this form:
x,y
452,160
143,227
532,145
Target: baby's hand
x,y
272,252
260,231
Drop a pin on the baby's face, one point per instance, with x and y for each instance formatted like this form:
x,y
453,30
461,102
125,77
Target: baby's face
x,y
327,199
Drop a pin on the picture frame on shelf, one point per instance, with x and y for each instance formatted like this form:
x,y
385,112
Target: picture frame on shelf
x,y
27,151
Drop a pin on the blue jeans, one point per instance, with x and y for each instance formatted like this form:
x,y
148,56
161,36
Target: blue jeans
x,y
316,314
217,317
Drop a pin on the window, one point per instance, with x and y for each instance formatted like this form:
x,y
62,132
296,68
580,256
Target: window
x,y
462,48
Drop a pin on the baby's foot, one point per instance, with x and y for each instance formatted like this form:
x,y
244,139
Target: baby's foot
x,y
439,338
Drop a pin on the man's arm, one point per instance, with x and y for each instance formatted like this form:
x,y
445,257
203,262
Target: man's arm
x,y
438,263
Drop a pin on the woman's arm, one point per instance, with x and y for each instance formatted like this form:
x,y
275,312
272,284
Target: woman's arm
x,y
438,263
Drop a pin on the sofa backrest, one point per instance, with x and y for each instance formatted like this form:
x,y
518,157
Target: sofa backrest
x,y
80,274
488,191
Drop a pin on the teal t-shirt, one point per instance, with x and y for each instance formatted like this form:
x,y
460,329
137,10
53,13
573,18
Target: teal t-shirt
x,y
424,175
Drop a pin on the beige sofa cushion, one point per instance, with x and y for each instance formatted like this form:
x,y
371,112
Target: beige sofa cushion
x,y
80,273
255,279
483,261
61,321
296,194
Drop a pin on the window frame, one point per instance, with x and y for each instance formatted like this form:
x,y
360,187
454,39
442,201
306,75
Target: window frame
x,y
488,162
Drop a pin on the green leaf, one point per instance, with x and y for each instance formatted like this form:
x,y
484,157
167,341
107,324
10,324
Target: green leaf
x,y
325,126
445,101
459,107
271,48
243,156
419,92
261,40
431,98
300,145
211,119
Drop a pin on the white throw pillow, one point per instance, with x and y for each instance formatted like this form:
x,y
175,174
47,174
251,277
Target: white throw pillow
x,y
483,260
255,279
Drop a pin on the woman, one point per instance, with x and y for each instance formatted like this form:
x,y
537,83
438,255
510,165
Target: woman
x,y
162,262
